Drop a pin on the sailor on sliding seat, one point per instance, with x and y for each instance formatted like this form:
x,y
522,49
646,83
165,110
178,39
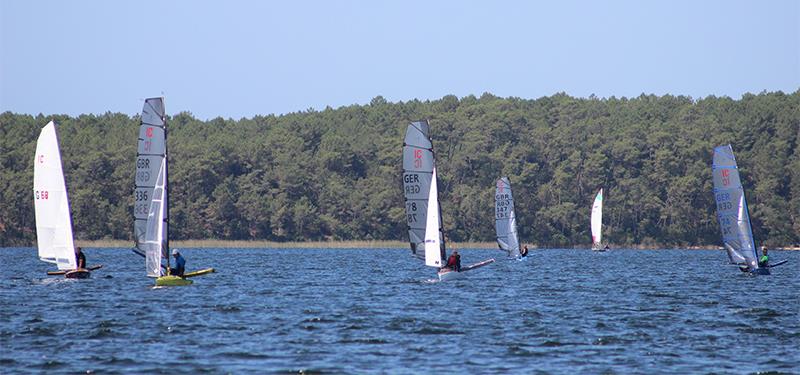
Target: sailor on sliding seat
x,y
454,262
80,259
764,261
180,264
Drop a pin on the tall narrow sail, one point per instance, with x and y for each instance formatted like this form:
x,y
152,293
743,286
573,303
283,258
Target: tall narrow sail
x,y
418,167
732,212
597,221
151,154
154,243
51,205
505,220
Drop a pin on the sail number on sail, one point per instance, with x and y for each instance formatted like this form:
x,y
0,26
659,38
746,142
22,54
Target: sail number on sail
x,y
411,186
41,194
503,206
724,207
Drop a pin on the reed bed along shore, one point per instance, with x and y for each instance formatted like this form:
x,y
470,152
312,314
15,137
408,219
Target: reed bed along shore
x,y
361,245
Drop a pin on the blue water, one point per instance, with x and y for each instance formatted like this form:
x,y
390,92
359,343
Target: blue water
x,y
356,311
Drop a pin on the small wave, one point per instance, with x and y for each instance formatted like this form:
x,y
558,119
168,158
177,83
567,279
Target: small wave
x,y
553,344
120,361
102,333
437,331
353,327
50,365
7,361
366,340
519,351
227,309
243,355
318,319
608,340
40,331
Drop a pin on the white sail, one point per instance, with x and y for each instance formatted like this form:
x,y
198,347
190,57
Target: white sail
x,y
51,205
151,152
732,212
505,223
433,229
597,221
154,242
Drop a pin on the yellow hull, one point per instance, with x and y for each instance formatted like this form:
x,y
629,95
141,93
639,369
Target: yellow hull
x,y
172,281
198,273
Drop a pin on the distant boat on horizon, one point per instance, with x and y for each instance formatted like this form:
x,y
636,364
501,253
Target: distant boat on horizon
x,y
597,222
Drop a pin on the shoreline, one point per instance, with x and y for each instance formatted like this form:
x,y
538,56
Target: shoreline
x,y
383,244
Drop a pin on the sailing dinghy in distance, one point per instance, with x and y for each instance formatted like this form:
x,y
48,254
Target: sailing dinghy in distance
x,y
151,197
423,214
732,213
597,222
505,220
53,220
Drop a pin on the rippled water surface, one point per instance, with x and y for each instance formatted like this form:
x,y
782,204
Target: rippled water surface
x,y
367,310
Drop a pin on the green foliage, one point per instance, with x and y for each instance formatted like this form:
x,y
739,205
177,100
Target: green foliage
x,y
335,173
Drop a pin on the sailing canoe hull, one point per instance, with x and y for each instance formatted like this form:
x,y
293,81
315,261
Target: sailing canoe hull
x,y
172,281
448,274
80,273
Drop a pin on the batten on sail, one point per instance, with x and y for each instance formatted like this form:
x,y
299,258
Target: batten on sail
x,y
51,204
505,223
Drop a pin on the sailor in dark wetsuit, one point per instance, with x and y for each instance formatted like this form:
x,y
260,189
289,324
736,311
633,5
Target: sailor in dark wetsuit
x,y
180,264
80,258
524,251
454,262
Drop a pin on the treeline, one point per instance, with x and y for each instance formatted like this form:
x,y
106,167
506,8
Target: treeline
x,y
336,173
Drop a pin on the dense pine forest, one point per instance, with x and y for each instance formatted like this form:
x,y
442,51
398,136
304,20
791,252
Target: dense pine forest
x,y
336,173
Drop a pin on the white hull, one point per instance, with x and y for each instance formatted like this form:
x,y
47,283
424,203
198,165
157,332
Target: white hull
x,y
447,274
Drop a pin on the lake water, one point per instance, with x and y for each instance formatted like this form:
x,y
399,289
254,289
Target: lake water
x,y
368,310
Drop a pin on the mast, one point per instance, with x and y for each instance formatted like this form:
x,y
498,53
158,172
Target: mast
x,y
166,187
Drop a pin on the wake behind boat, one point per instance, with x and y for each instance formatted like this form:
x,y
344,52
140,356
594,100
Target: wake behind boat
x,y
51,205
421,192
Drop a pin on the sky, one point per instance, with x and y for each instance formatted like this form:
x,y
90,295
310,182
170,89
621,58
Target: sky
x,y
238,58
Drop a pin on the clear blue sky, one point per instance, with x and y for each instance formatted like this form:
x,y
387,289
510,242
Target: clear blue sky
x,y
242,58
